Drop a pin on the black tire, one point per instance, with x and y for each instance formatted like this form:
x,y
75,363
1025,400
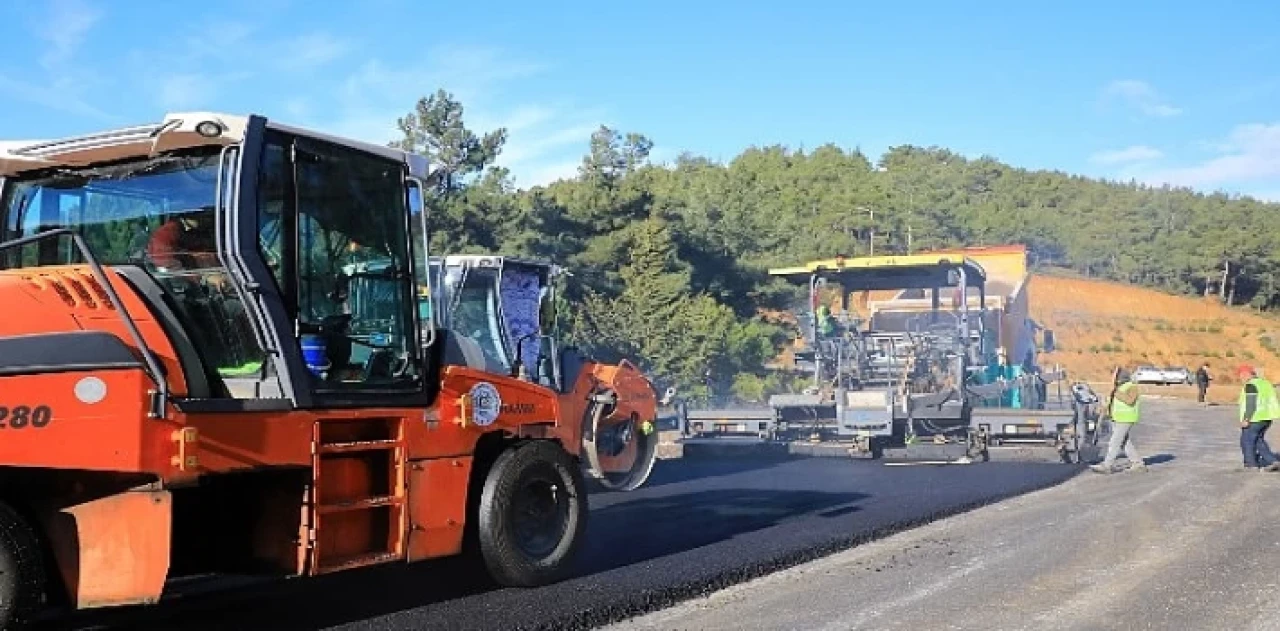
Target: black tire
x,y
532,552
22,570
877,449
1072,453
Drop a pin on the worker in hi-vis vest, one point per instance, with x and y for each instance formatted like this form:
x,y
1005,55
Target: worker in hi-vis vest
x,y
1125,410
1258,408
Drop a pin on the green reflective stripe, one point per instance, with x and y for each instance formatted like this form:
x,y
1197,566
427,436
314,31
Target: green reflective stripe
x,y
1268,405
1122,412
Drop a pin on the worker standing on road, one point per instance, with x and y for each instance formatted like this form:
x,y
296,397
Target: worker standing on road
x,y
1202,381
1258,407
1125,410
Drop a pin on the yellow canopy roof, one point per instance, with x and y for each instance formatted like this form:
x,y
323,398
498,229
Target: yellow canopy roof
x,y
914,271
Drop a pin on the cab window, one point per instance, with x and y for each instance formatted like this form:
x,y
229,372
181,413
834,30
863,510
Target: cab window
x,y
475,315
342,242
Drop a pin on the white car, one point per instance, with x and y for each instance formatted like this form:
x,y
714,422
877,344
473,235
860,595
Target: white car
x,y
1161,376
1178,375
1148,374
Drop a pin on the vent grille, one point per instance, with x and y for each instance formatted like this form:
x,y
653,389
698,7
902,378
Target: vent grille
x,y
75,288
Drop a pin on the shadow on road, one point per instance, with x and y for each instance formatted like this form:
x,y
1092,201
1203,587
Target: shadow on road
x,y
297,604
685,469
648,528
625,532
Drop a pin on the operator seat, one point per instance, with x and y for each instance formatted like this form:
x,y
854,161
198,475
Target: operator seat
x,y
460,350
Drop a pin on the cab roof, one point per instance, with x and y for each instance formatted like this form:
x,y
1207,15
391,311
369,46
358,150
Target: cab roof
x,y
916,271
177,130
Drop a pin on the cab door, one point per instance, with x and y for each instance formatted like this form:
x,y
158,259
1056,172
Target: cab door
x,y
336,223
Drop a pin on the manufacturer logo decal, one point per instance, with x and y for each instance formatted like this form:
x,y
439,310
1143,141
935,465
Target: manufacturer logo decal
x,y
485,403
517,408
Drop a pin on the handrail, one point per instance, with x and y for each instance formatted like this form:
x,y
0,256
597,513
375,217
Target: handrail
x,y
148,357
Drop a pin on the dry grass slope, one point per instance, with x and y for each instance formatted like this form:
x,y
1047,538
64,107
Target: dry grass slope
x,y
1101,324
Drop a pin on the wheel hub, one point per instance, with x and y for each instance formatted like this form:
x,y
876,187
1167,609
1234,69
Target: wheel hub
x,y
540,517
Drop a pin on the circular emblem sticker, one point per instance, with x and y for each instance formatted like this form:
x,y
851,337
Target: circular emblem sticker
x,y
90,390
485,403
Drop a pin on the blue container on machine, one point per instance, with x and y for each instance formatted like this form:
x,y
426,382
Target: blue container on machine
x,y
315,353
1015,394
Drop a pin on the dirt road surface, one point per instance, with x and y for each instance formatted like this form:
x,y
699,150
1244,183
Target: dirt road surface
x,y
1192,544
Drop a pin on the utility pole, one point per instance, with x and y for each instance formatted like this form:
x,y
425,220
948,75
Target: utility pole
x,y
911,213
873,231
871,247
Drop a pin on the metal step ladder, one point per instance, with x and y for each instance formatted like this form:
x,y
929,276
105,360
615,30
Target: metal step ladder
x,y
357,508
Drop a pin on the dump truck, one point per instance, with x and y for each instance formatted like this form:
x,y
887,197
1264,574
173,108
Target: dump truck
x,y
220,356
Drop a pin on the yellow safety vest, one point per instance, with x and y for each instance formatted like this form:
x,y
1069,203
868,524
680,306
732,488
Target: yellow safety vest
x,y
1122,412
1267,405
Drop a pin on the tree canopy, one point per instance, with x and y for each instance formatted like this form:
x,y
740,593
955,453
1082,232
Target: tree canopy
x,y
669,260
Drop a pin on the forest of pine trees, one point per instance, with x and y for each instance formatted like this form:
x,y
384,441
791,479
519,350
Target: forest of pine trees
x,y
669,261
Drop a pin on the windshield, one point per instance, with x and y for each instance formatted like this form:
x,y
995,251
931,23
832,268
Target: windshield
x,y
116,209
157,213
474,312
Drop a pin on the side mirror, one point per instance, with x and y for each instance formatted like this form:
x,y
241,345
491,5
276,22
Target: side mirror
x,y
669,396
1049,341
544,372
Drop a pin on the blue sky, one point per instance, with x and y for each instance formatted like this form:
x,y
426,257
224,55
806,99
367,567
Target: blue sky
x,y
1156,91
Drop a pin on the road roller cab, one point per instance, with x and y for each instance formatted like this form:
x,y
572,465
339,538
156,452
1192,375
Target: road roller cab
x,y
220,355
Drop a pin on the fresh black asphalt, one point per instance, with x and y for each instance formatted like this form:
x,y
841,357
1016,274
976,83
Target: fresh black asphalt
x,y
699,525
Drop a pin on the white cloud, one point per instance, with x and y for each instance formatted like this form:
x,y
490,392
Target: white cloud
x,y
1136,153
547,173
298,108
525,146
522,118
1140,96
1249,155
64,29
545,141
185,90
311,51
219,40
52,97
202,61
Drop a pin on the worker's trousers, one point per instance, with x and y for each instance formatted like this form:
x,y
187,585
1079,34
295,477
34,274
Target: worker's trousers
x,y
1253,444
1121,440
